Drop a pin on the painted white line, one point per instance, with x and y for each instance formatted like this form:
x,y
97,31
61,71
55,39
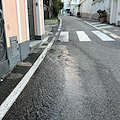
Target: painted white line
x,y
82,36
94,23
64,36
5,106
57,33
105,32
103,36
106,27
91,25
113,36
100,25
60,21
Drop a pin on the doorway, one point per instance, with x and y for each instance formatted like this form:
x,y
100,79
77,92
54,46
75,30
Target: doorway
x,y
31,19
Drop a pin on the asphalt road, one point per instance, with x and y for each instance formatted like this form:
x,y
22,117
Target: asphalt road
x,y
79,78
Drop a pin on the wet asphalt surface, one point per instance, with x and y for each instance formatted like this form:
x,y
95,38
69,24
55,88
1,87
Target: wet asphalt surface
x,y
76,81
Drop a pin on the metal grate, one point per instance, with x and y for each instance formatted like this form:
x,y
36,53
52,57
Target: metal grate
x,y
14,46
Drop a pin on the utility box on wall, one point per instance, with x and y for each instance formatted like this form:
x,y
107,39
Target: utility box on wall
x,y
13,52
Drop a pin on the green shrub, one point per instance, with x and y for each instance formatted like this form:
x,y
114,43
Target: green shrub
x,y
102,13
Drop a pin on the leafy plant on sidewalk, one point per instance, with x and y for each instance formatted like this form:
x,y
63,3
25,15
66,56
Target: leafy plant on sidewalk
x,y
78,14
102,15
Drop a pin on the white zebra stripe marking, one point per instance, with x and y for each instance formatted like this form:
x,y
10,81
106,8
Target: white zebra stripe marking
x,y
64,36
105,32
113,36
106,27
103,36
91,25
94,23
82,36
100,25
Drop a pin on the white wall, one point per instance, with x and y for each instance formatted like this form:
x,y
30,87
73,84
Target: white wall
x,y
103,5
73,7
115,12
86,6
66,4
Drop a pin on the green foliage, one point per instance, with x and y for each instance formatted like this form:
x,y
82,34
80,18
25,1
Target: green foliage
x,y
53,18
57,5
102,13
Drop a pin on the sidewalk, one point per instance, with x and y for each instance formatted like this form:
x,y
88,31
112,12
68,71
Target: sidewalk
x,y
48,28
37,47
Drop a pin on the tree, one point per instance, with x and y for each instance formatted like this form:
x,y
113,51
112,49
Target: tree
x,y
57,5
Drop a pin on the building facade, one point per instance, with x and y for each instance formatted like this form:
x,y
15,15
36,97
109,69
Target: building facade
x,y
75,6
85,8
102,5
18,29
66,7
89,8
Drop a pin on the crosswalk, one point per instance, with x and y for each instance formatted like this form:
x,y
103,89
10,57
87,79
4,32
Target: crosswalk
x,y
99,25
64,36
82,36
102,36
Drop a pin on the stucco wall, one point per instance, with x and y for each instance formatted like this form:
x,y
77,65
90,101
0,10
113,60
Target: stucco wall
x,y
115,12
42,17
103,5
10,18
66,3
23,20
85,8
